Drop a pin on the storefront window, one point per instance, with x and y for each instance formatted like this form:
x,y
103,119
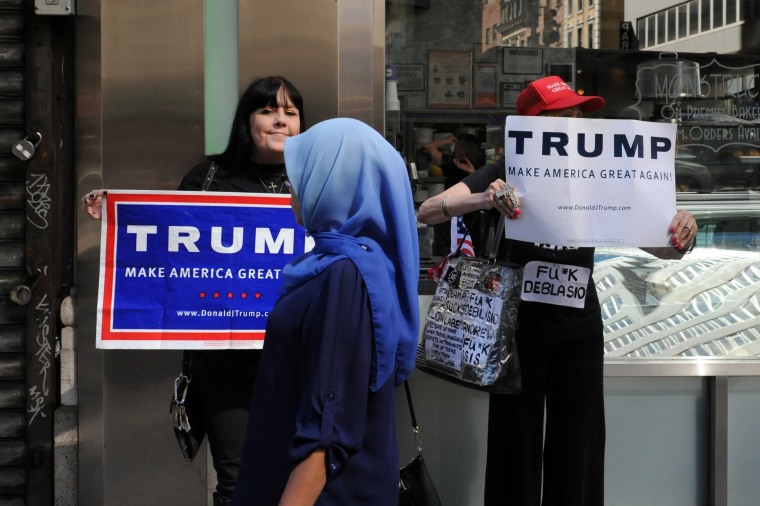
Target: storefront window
x,y
682,30
661,27
731,8
717,13
693,17
671,24
453,81
689,18
705,18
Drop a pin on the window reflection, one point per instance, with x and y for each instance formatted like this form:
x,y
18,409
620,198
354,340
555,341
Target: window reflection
x,y
705,305
717,13
705,15
687,19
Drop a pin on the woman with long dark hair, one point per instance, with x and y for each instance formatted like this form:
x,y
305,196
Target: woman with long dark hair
x,y
269,111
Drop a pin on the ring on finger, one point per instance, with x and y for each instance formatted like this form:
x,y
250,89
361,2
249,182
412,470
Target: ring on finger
x,y
509,192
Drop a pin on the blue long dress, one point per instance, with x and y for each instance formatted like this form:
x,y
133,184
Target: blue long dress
x,y
313,391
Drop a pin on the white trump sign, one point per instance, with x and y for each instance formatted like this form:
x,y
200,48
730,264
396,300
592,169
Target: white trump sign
x,y
591,182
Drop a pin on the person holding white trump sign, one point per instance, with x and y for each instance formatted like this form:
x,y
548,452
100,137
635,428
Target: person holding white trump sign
x,y
558,460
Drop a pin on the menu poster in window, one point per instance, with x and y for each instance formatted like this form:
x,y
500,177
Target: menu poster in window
x,y
509,92
411,76
523,60
449,79
485,86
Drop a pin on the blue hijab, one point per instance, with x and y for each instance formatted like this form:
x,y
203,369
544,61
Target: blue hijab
x,y
356,203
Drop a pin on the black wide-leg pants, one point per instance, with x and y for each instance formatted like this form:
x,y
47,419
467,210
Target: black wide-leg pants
x,y
222,383
567,380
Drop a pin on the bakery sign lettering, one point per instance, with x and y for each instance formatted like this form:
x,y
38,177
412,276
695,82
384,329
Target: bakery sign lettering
x,y
192,270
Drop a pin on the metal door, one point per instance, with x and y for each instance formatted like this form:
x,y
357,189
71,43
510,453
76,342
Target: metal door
x,y
36,247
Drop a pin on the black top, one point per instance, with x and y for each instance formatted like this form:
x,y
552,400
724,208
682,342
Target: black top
x,y
225,181
553,319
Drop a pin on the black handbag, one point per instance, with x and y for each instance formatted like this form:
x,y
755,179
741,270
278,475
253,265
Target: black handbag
x,y
469,333
415,486
184,407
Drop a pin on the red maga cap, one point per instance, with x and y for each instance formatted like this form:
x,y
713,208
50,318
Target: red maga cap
x,y
552,93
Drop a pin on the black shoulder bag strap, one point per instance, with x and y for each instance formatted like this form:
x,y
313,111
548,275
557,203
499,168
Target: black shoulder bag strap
x,y
495,235
415,427
185,355
209,177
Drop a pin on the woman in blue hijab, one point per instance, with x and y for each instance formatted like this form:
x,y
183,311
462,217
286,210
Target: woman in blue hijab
x,y
343,334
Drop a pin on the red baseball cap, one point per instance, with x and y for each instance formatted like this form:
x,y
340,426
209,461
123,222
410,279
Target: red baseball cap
x,y
552,93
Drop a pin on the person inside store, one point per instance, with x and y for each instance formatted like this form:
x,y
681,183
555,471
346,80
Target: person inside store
x,y
343,334
466,156
546,444
268,112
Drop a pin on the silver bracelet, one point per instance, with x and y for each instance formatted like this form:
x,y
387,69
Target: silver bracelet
x,y
443,207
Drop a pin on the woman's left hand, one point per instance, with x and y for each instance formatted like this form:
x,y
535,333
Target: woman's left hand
x,y
683,229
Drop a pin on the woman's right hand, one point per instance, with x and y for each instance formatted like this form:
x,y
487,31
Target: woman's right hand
x,y
92,203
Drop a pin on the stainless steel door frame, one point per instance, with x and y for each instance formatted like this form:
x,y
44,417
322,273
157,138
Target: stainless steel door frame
x,y
139,126
334,52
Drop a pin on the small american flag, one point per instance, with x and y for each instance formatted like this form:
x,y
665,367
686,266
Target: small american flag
x,y
460,235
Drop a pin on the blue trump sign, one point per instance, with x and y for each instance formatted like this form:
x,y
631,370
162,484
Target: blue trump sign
x,y
192,270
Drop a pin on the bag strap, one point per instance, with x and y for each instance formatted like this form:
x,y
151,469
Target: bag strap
x,y
181,384
186,363
209,177
206,183
411,407
496,239
415,427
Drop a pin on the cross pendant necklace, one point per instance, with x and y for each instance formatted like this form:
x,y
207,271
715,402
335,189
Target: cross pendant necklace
x,y
270,186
